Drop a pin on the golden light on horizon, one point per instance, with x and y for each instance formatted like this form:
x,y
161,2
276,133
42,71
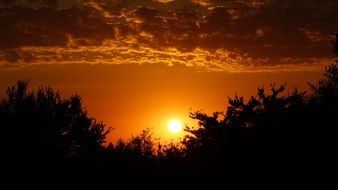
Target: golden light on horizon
x,y
175,126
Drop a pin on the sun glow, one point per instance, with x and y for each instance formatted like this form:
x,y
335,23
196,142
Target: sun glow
x,y
175,126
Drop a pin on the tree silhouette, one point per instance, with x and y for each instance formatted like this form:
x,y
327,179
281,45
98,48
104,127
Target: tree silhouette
x,y
271,134
43,126
274,136
138,148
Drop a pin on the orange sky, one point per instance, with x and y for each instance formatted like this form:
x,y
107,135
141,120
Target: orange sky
x,y
137,64
131,97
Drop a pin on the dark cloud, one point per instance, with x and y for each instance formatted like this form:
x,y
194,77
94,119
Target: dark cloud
x,y
7,2
22,26
52,3
259,28
15,56
147,14
206,31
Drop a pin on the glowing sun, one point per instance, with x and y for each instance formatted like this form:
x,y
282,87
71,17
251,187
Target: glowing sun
x,y
175,126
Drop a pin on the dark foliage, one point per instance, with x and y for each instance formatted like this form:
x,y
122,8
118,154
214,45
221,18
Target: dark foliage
x,y
281,137
42,126
46,138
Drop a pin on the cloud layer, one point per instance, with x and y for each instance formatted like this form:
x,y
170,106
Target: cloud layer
x,y
224,35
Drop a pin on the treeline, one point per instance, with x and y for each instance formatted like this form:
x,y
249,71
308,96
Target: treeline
x,y
276,136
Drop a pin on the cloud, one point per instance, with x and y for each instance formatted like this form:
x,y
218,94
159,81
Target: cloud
x,y
222,35
164,1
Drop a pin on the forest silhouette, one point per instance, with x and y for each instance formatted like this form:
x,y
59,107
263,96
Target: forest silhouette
x,y
277,137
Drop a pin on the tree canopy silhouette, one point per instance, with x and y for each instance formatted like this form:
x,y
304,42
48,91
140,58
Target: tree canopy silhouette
x,y
274,136
40,125
271,134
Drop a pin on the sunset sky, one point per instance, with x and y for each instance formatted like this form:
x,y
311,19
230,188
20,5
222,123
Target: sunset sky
x,y
139,64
